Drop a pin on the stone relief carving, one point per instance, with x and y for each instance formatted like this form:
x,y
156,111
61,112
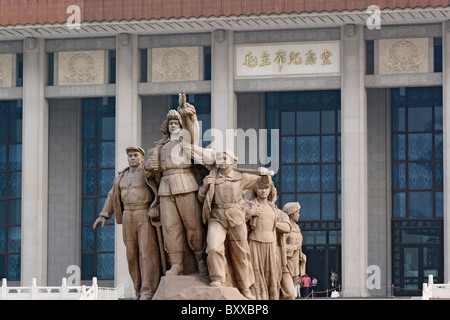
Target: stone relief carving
x,y
404,56
5,70
82,67
175,64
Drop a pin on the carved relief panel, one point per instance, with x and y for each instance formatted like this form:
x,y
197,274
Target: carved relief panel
x,y
404,55
6,70
176,64
81,67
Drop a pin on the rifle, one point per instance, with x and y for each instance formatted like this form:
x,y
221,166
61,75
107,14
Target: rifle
x,y
157,225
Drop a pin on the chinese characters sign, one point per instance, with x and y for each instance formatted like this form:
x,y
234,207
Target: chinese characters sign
x,y
287,59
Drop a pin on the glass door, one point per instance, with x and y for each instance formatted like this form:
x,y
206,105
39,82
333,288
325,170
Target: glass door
x,y
419,262
320,262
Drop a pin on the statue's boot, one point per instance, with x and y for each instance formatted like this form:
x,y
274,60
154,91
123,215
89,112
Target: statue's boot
x,y
248,294
201,262
176,260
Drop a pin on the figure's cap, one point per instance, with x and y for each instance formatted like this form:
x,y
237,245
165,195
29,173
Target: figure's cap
x,y
291,207
171,115
136,148
230,155
174,115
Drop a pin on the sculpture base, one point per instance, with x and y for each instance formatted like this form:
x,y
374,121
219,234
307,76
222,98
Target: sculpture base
x,y
193,287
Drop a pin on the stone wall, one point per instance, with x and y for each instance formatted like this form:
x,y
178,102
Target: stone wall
x,y
64,197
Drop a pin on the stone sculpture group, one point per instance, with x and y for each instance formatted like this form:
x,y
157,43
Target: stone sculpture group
x,y
186,211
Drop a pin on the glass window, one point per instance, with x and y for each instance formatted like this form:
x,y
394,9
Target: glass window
x,y
420,175
398,118
328,175
308,178
288,149
420,146
420,204
98,155
438,146
399,204
334,237
19,72
310,203
399,175
398,147
309,150
420,119
287,123
10,188
328,148
417,167
314,237
425,235
288,178
308,122
411,264
327,122
207,59
437,54
328,206
112,66
439,203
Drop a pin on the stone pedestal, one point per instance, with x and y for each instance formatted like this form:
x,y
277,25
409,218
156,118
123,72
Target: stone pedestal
x,y
193,287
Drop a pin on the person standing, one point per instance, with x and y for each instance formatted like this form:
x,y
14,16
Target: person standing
x,y
314,284
333,279
306,284
132,199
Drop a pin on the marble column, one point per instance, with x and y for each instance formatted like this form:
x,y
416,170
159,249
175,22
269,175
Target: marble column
x,y
446,142
128,132
354,163
223,97
34,165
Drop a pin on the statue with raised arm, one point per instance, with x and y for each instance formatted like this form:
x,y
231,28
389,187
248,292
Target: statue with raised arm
x,y
133,199
175,159
189,117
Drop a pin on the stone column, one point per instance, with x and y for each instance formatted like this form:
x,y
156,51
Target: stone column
x,y
128,132
223,97
34,164
446,134
354,163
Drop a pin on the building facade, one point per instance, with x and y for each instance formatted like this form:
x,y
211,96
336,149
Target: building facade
x,y
349,104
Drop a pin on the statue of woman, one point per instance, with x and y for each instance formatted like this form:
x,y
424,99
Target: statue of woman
x,y
266,256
